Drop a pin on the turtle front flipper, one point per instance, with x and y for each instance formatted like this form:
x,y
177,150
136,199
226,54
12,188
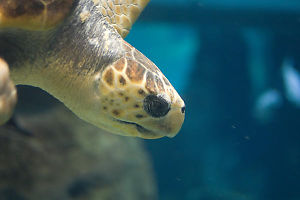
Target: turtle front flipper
x,y
8,93
121,14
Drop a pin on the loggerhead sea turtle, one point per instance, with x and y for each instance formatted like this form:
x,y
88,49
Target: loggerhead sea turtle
x,y
74,50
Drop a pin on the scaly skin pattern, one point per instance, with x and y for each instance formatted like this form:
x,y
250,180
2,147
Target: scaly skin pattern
x,y
121,14
87,65
123,86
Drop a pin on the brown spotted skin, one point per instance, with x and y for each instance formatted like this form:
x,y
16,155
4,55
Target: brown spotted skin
x,y
124,86
33,14
109,77
135,71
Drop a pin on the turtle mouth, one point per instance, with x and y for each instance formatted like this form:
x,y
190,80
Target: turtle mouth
x,y
140,128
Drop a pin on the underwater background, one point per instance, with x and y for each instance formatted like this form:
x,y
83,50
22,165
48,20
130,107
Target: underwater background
x,y
236,63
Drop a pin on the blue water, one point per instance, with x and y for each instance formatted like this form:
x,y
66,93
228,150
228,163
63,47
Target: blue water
x,y
237,65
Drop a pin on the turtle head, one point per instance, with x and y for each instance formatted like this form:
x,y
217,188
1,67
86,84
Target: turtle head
x,y
137,100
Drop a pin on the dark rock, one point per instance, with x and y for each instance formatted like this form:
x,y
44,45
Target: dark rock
x,y
66,158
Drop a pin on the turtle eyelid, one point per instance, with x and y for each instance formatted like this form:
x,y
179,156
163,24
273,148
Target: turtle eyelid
x,y
156,106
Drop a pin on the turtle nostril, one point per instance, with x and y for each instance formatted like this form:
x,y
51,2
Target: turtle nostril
x,y
183,109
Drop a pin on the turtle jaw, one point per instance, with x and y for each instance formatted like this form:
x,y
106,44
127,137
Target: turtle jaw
x,y
138,127
143,132
150,128
126,128
168,125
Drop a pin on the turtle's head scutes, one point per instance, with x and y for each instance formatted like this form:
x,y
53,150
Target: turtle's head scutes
x,y
136,99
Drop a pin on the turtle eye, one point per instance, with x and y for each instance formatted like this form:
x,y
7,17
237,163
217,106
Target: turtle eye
x,y
156,106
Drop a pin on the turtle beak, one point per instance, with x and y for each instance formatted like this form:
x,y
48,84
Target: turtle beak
x,y
176,120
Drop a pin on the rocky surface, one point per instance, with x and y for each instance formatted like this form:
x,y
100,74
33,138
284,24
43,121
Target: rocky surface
x,y
55,155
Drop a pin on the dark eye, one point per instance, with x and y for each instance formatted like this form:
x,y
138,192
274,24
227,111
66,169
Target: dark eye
x,y
156,106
